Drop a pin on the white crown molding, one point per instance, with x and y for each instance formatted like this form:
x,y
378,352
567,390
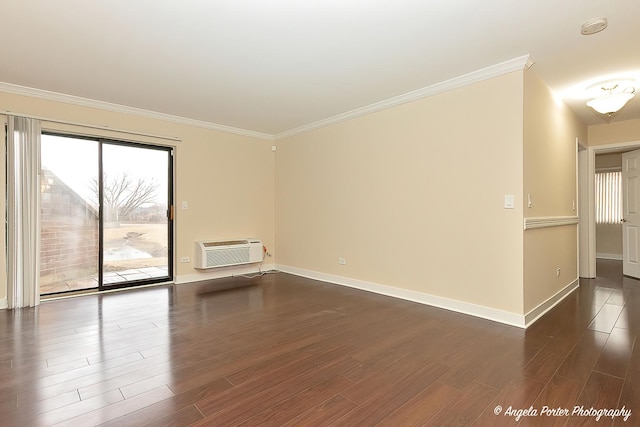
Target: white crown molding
x,y
488,313
117,108
549,221
521,63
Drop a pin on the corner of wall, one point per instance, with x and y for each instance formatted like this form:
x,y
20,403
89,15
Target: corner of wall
x,y
533,315
483,312
550,185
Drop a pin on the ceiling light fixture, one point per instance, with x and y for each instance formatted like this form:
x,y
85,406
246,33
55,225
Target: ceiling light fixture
x,y
614,94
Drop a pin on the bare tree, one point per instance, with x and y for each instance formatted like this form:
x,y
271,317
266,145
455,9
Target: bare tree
x,y
122,195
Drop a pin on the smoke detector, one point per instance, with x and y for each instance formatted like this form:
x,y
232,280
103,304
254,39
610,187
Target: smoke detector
x,y
593,26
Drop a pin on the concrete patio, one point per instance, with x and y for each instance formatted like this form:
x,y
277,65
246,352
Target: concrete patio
x,y
111,278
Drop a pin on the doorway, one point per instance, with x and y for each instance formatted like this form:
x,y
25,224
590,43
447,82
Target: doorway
x,y
608,199
588,244
106,214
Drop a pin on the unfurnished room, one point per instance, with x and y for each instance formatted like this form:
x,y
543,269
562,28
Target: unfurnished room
x,y
319,213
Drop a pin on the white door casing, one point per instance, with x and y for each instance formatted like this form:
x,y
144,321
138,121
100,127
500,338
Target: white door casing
x,y
631,213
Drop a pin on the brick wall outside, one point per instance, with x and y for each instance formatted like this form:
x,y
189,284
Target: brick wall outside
x,y
69,233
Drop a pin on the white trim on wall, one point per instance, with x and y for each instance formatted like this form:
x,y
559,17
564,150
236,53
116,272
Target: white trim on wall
x,y
547,305
117,108
483,312
520,63
591,213
219,273
3,303
549,221
617,257
584,213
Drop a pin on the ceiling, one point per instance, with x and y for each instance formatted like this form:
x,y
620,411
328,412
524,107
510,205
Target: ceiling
x,y
273,66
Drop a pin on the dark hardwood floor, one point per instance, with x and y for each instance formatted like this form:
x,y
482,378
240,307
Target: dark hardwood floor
x,y
283,350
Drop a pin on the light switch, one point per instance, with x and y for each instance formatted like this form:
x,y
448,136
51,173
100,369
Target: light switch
x,y
509,201
529,201
185,205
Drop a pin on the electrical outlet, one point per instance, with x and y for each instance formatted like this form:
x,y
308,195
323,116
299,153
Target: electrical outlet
x,y
342,261
185,259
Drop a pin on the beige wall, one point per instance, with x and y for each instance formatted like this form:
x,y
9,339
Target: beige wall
x,y
550,131
608,161
545,250
609,240
625,131
412,196
227,179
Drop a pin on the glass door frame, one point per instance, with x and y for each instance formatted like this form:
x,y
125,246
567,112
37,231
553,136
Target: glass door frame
x,y
170,260
101,141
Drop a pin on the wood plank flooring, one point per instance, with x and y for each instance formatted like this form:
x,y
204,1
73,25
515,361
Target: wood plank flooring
x,y
281,350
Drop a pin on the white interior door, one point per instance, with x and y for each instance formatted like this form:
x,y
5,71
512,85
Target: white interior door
x,y
631,213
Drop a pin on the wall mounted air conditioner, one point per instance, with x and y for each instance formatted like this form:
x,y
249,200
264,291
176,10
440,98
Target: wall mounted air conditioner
x,y
224,253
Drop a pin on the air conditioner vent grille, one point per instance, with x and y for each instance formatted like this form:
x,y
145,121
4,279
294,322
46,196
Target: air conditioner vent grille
x,y
225,243
229,256
225,253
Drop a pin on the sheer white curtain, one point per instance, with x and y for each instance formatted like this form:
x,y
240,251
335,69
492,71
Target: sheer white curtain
x,y
23,212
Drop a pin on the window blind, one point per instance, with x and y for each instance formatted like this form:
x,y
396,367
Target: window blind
x,y
608,197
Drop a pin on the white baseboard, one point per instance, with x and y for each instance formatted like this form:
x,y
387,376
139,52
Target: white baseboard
x,y
218,273
542,309
501,316
617,257
483,312
3,303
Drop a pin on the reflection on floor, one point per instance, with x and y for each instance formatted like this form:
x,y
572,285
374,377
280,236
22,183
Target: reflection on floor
x,y
110,278
282,350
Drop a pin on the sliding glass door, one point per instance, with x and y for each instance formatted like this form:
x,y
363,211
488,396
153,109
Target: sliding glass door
x,y
69,217
105,214
135,195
